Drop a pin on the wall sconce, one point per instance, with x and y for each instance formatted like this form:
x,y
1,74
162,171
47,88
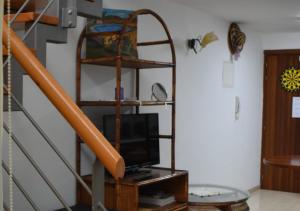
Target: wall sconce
x,y
197,44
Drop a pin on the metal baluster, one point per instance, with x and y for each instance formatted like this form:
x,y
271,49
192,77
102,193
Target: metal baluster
x,y
98,186
51,143
20,187
38,169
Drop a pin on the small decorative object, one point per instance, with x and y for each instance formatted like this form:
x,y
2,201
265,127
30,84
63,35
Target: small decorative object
x,y
159,92
106,43
197,44
290,79
121,93
236,40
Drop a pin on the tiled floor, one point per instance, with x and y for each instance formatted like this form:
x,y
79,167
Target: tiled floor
x,y
264,200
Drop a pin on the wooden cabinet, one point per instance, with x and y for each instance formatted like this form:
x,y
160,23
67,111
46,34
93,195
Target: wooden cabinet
x,y
163,179
175,183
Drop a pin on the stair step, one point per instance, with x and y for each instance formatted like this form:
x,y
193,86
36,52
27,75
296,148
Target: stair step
x,y
90,8
32,16
16,4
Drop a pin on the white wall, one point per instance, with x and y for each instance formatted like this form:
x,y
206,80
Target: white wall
x,y
210,143
281,41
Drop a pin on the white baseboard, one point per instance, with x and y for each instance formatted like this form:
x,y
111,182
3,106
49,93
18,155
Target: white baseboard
x,y
256,188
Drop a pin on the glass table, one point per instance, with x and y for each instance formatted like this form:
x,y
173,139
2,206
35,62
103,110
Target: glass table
x,y
221,197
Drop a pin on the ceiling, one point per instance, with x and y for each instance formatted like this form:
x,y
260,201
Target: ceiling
x,y
266,16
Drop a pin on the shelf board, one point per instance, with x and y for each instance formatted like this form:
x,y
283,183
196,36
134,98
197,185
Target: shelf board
x,y
125,103
159,174
127,62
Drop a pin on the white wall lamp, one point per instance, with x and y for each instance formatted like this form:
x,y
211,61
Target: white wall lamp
x,y
197,44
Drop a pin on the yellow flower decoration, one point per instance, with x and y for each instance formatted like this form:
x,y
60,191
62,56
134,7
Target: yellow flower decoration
x,y
290,80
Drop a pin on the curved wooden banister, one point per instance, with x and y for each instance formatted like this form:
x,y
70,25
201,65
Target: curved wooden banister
x,y
104,151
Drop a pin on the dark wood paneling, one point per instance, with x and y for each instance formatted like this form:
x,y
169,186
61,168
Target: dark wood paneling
x,y
281,134
127,62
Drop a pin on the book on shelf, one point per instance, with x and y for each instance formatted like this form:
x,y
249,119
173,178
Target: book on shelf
x,y
158,199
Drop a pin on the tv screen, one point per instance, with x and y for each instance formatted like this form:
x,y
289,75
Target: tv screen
x,y
139,142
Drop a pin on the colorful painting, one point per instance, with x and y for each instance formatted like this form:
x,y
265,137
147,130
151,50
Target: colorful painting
x,y
111,24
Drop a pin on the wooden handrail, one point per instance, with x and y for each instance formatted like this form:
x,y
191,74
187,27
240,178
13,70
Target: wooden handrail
x,y
87,131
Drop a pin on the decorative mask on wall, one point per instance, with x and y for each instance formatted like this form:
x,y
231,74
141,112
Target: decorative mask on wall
x,y
236,40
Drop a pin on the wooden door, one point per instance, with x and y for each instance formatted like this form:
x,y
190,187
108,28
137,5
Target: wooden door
x,y
281,132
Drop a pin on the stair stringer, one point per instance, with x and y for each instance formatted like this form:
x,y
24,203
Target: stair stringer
x,y
37,40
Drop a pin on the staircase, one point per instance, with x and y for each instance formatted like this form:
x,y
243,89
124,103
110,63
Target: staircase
x,y
48,21
59,15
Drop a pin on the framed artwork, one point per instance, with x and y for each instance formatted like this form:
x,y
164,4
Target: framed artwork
x,y
111,24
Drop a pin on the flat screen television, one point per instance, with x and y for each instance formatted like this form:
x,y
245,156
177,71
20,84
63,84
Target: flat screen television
x,y
139,142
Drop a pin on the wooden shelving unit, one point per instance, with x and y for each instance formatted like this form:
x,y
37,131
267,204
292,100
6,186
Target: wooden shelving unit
x,y
119,62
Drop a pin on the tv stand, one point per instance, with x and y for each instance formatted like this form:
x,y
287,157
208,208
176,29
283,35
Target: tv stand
x,y
162,179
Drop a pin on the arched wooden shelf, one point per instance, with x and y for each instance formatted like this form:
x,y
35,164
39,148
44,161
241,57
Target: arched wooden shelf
x,y
119,61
